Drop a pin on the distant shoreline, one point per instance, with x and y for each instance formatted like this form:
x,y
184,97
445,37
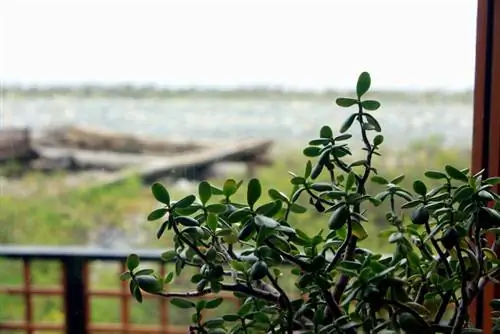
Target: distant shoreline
x,y
146,92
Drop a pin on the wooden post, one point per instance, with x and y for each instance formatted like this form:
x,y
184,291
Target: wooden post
x,y
486,136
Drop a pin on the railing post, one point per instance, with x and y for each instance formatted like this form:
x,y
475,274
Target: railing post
x,y
75,295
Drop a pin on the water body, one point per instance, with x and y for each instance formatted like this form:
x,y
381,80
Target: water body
x,y
284,120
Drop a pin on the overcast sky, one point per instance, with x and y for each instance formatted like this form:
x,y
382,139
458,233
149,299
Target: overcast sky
x,y
420,44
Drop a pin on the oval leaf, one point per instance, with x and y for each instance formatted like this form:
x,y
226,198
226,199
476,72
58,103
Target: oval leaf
x,y
345,102
363,84
182,303
254,191
132,262
348,123
205,192
157,214
160,193
370,105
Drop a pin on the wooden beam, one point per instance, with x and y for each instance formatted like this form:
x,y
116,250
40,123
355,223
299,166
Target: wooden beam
x,y
486,136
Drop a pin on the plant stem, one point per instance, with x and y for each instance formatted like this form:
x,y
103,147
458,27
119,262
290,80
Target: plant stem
x,y
285,301
290,258
408,309
442,257
342,247
264,295
361,190
464,301
187,242
442,307
344,279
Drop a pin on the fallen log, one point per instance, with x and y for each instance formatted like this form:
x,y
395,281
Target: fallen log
x,y
247,151
151,170
107,141
15,145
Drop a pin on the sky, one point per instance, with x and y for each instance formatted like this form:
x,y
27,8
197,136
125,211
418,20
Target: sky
x,y
308,44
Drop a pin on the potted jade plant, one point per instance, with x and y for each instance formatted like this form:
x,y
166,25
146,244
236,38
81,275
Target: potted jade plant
x,y
442,258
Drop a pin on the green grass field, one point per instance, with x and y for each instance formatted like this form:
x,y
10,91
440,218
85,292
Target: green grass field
x,y
68,218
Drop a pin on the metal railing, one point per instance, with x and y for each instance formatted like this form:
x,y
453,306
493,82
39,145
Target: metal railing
x,y
76,292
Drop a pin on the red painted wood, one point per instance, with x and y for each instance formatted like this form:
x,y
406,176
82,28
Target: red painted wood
x,y
486,136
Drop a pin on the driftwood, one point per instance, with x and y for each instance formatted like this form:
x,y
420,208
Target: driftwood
x,y
101,140
75,149
252,151
15,144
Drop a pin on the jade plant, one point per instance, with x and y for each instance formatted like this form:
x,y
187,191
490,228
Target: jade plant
x,y
442,230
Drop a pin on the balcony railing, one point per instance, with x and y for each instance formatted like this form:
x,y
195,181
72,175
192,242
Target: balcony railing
x,y
76,291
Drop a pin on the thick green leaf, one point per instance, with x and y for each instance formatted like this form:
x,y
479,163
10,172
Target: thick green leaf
x,y
363,84
278,195
296,208
144,272
370,105
254,191
359,231
238,215
125,276
456,174
431,174
168,278
216,208
345,102
214,324
230,187
132,262
138,294
348,123
419,187
298,180
186,221
308,170
378,140
168,256
182,303
326,132
212,221
379,180
157,214
149,283
395,237
492,181
231,317
245,309
495,304
214,303
205,192
162,229
185,202
160,193
463,194
343,137
373,122
270,209
261,220
398,179
312,151
350,181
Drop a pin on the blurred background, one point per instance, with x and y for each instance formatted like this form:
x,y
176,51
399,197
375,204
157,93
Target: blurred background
x,y
87,75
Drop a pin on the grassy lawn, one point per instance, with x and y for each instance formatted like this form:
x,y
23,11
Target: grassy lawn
x,y
46,211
